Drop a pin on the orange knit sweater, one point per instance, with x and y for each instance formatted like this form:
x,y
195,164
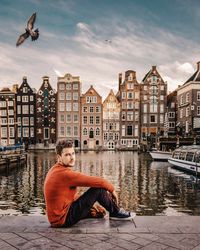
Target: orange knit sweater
x,y
60,190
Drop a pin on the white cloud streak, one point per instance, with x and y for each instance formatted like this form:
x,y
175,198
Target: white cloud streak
x,y
87,54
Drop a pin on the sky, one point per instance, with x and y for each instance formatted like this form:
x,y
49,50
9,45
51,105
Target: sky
x,y
98,39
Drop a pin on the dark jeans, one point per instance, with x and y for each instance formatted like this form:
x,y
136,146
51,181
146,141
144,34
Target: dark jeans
x,y
81,207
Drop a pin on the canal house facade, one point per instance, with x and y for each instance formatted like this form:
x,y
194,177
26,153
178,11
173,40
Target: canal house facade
x,y
153,100
111,122
92,120
129,98
25,114
7,117
188,110
46,115
68,108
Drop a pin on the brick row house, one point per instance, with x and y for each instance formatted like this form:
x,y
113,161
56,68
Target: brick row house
x,y
26,114
111,122
92,120
138,115
7,117
69,108
153,101
46,115
129,98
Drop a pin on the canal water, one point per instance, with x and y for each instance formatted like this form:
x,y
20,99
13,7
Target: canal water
x,y
144,186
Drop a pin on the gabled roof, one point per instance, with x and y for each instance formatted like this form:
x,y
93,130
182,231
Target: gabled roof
x,y
152,71
24,83
91,91
196,76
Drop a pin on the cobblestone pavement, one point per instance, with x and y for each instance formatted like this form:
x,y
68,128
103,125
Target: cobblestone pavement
x,y
148,232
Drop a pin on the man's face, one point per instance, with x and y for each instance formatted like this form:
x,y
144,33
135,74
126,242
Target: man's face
x,y
67,157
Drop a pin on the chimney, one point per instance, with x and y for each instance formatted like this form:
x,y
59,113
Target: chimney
x,y
154,69
24,79
198,65
120,80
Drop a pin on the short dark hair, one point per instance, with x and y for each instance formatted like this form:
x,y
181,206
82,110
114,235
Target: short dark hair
x,y
61,144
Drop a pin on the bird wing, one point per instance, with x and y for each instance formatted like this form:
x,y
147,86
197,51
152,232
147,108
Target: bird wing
x,y
22,38
31,22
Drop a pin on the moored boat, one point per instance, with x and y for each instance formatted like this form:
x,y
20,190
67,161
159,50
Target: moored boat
x,y
160,155
186,158
11,155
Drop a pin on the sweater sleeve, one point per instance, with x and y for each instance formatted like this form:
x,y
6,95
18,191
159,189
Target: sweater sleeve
x,y
82,180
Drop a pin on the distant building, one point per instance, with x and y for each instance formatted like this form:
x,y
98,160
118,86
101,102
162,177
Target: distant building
x,y
111,122
170,120
46,115
188,96
129,97
26,114
92,117
7,117
68,108
153,101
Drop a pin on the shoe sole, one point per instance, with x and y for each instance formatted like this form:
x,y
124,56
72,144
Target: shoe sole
x,y
124,219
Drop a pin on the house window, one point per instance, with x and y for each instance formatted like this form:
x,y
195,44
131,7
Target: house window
x,y
62,96
91,109
4,132
75,96
85,109
25,98
68,131
62,86
25,121
68,86
68,96
97,119
75,131
91,135
123,115
145,108
187,97
75,118
68,117
25,109
129,105
198,95
129,130
123,95
136,130
62,118
187,111
130,95
62,106
85,131
75,86
123,130
171,114
98,109
84,119
91,119
32,121
152,118
181,113
62,131
25,132
129,116
198,110
75,106
68,106
97,131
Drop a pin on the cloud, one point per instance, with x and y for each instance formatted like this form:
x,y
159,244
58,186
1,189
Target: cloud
x,y
85,53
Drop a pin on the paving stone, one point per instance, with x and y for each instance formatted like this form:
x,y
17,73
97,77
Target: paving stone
x,y
5,236
123,243
5,245
152,237
196,248
128,237
44,243
154,246
18,242
142,241
102,245
174,243
29,236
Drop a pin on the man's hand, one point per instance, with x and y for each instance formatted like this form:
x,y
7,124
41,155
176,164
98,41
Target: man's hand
x,y
115,197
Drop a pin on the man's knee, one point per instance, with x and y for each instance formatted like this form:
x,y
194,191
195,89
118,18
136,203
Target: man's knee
x,y
98,190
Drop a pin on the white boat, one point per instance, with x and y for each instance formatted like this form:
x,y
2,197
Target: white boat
x,y
160,155
186,158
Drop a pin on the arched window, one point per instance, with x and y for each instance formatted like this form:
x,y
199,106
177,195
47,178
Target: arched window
x,y
85,131
97,131
91,133
85,142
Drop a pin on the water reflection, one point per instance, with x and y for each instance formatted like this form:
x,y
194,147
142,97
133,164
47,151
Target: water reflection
x,y
150,188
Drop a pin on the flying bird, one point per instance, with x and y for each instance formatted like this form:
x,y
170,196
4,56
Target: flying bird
x,y
29,31
108,41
